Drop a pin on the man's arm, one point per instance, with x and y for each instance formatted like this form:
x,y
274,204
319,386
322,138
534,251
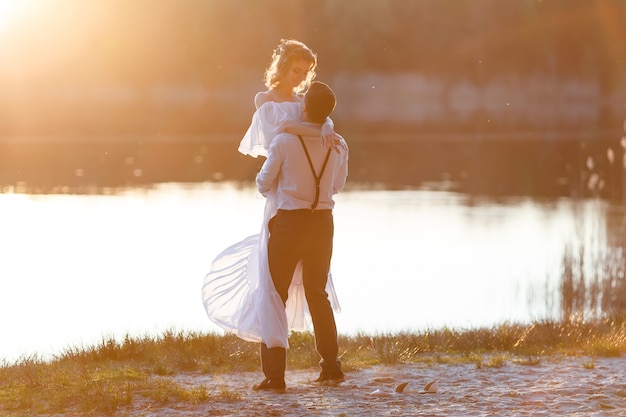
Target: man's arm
x,y
342,172
268,175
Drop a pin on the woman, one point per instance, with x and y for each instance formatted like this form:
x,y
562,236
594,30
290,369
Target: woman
x,y
238,293
287,78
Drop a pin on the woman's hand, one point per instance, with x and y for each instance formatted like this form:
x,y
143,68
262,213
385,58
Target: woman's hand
x,y
332,139
328,135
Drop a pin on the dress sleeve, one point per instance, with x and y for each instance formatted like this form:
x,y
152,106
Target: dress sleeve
x,y
266,123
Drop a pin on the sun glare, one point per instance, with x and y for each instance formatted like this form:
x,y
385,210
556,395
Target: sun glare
x,y
12,11
41,38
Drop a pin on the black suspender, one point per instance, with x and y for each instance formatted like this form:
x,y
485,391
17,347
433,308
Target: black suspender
x,y
317,177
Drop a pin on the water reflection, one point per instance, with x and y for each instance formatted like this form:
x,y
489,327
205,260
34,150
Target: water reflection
x,y
76,268
498,165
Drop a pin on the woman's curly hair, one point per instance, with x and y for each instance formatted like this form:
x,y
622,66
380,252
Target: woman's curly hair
x,y
288,51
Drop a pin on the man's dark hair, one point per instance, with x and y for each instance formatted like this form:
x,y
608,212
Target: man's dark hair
x,y
320,102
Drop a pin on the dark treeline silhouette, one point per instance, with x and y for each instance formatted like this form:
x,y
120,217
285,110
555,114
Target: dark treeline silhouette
x,y
214,40
186,66
506,97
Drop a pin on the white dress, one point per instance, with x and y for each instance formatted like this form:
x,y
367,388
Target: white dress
x,y
238,293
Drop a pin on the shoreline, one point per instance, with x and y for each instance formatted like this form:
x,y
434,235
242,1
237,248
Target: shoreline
x,y
414,134
554,386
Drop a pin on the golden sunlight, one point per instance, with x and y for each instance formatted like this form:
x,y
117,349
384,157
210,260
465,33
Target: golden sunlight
x,y
11,11
39,38
614,32
66,41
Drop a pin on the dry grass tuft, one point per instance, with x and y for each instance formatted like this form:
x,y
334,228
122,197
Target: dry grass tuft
x,y
112,375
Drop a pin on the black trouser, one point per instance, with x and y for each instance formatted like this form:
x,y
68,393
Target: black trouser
x,y
303,236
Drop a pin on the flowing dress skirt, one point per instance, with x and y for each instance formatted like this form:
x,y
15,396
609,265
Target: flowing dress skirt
x,y
238,293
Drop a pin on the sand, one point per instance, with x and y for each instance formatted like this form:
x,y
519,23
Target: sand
x,y
553,387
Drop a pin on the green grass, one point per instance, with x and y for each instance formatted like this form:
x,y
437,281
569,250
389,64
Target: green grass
x,y
112,375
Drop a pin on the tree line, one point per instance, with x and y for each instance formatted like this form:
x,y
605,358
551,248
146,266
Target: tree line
x,y
213,40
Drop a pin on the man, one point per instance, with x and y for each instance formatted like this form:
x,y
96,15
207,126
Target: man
x,y
305,174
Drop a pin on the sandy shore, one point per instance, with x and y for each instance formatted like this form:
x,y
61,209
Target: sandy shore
x,y
554,387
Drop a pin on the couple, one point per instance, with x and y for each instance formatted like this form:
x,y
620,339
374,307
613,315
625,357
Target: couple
x,y
258,287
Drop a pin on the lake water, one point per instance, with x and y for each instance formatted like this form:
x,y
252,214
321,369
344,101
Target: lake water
x,y
75,269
